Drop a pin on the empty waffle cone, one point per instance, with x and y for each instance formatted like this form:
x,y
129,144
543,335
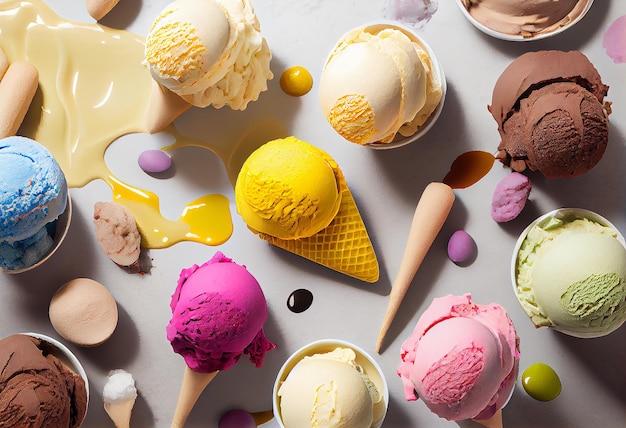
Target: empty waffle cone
x,y
120,411
343,245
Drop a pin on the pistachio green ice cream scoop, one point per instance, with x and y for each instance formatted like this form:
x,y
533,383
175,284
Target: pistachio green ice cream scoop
x,y
571,276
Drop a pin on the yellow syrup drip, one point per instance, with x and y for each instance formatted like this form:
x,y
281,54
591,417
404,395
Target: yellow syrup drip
x,y
93,89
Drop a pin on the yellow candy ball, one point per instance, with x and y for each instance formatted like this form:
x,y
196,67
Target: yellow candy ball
x,y
296,81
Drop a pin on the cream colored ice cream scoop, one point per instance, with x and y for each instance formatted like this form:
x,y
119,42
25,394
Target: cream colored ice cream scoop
x,y
379,80
330,390
210,52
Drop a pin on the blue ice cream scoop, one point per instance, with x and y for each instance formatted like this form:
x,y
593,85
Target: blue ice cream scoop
x,y
33,193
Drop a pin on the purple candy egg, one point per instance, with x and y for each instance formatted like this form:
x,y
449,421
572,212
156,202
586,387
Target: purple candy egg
x,y
154,161
237,419
461,247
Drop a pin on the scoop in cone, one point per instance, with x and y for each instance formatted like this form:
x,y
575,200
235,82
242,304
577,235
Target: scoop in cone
x,y
193,384
120,411
430,215
165,106
343,246
493,422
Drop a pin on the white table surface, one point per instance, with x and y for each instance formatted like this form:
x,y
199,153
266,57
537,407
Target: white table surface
x,y
386,186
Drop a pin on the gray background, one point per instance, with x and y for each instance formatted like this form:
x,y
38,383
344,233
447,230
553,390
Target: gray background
x,y
386,186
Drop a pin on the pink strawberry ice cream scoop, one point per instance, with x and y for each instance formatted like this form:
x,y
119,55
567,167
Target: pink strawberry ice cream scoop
x,y
218,312
462,358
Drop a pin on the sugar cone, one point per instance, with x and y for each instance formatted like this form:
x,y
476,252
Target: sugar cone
x,y
193,384
430,215
120,412
493,422
262,417
343,246
165,106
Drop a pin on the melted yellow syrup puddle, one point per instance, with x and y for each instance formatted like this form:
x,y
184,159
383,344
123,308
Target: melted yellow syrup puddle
x,y
93,89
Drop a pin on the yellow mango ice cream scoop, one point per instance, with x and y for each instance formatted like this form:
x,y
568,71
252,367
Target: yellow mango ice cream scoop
x,y
294,196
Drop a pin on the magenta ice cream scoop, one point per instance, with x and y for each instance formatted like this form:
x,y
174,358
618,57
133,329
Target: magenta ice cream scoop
x,y
218,312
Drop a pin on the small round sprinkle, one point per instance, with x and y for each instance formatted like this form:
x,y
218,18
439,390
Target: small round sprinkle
x,y
296,81
461,247
541,382
237,418
154,161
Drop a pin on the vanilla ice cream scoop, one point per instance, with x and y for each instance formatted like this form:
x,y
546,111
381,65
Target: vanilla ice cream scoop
x,y
210,52
330,390
119,395
377,81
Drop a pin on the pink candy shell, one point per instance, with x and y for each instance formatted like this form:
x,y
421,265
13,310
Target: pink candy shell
x,y
154,161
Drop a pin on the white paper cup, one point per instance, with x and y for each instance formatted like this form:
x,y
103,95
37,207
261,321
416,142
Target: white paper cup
x,y
567,214
369,365
66,356
60,232
519,38
399,139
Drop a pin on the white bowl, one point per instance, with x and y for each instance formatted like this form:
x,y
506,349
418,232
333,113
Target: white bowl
x,y
520,38
561,213
61,227
66,356
369,365
401,140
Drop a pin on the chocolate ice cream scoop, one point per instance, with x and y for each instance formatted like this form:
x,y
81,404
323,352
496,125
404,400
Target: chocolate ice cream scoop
x,y
36,388
551,114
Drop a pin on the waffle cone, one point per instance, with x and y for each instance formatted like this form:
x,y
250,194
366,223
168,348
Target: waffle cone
x,y
120,412
343,245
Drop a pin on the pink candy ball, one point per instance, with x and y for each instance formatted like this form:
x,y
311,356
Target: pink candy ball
x,y
154,161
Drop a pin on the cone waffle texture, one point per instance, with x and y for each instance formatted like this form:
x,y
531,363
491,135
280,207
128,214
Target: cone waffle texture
x,y
343,246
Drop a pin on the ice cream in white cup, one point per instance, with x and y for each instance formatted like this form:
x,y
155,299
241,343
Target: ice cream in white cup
x,y
568,272
532,33
397,101
67,357
370,371
60,227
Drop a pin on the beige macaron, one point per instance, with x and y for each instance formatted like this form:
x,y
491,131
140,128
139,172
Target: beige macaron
x,y
83,312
